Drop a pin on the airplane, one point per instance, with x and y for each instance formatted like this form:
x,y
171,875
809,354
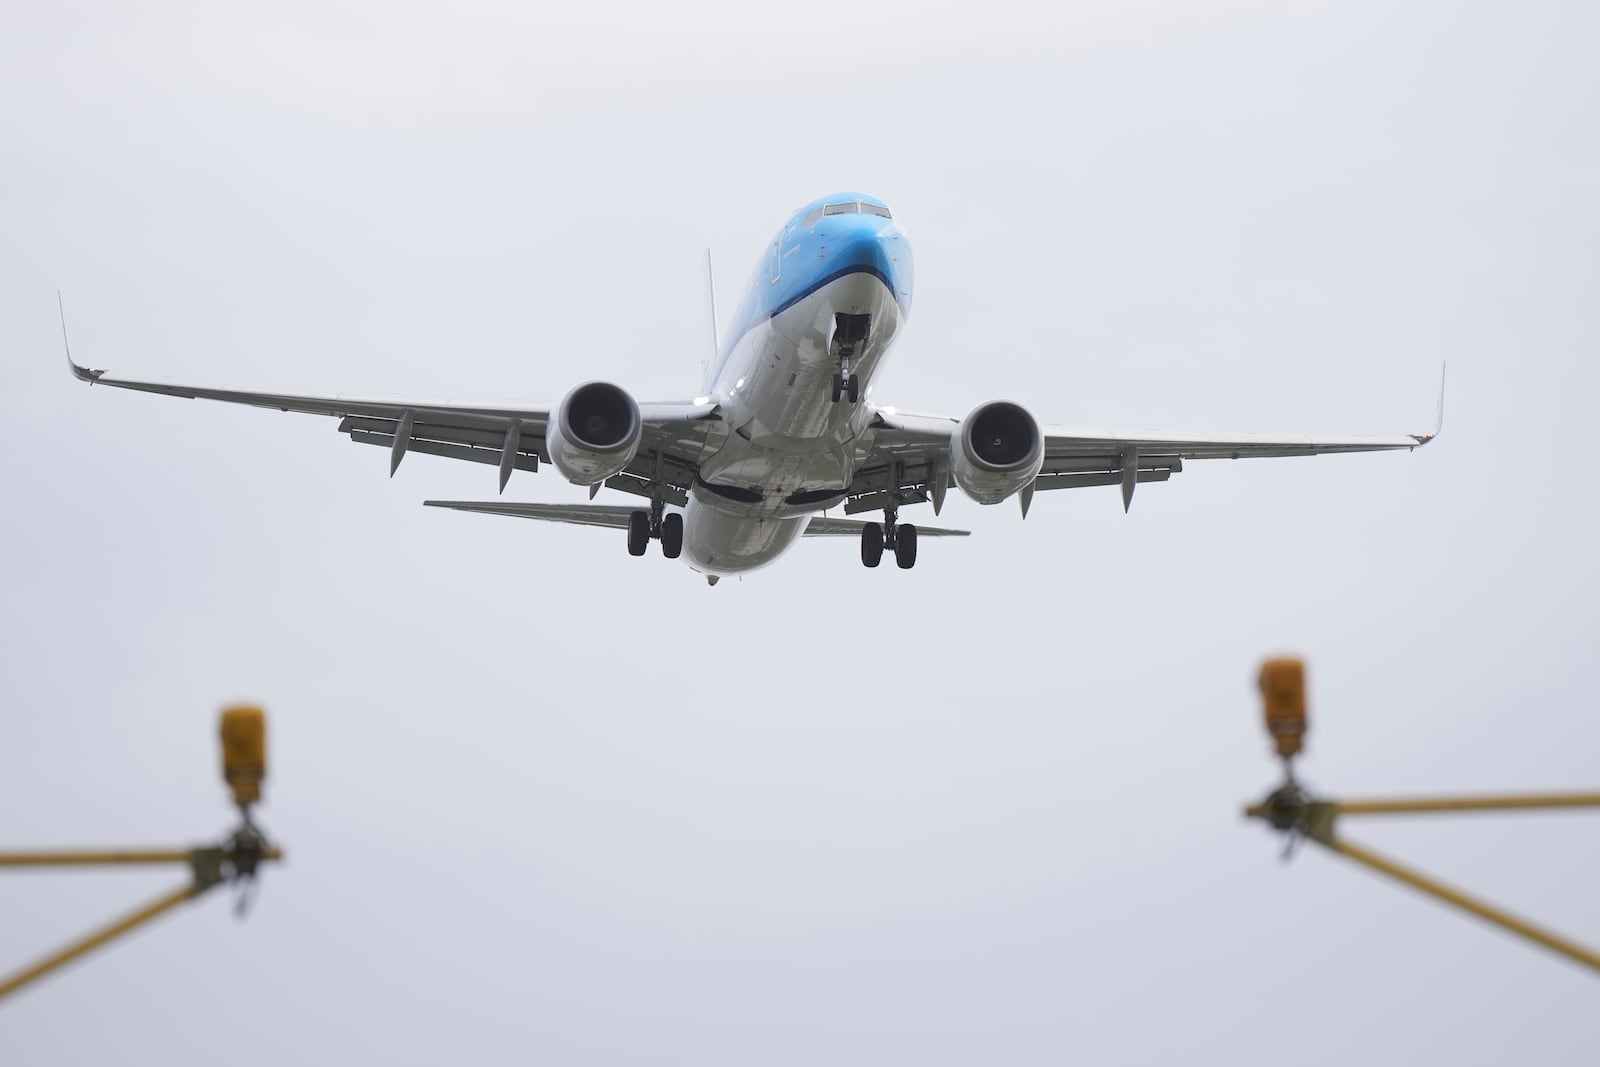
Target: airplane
x,y
785,428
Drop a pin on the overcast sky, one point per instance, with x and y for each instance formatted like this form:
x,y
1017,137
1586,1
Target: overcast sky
x,y
547,802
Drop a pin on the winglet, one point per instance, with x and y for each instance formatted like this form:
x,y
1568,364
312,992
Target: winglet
x,y
83,374
1438,421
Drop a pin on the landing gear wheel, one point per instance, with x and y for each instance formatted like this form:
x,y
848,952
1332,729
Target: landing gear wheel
x,y
871,544
638,533
853,388
838,387
672,535
905,546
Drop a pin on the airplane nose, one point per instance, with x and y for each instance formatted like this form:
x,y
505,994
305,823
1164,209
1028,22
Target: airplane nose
x,y
864,242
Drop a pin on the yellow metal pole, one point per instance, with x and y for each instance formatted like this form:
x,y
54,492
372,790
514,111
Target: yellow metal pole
x,y
95,940
1443,892
1420,805
125,856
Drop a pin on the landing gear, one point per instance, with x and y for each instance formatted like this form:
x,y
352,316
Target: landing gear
x,y
638,533
672,535
646,526
900,538
846,384
849,335
905,547
871,544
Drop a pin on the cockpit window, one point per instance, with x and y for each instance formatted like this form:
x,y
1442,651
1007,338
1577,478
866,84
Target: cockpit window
x,y
849,207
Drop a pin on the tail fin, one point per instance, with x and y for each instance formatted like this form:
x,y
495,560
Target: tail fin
x,y
716,330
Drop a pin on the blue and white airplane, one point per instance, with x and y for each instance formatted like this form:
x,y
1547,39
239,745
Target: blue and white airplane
x,y
785,426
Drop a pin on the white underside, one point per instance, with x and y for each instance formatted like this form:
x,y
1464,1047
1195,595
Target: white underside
x,y
789,436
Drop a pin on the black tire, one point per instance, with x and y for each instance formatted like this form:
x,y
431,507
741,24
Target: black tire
x,y
871,544
905,546
838,386
672,535
853,389
638,533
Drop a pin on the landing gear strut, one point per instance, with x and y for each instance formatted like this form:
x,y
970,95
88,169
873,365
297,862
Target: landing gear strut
x,y
900,538
849,334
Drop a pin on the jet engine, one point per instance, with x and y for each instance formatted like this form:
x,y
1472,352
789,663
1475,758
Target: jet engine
x,y
593,433
996,452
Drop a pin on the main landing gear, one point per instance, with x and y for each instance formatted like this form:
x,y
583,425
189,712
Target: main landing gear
x,y
900,538
645,526
849,334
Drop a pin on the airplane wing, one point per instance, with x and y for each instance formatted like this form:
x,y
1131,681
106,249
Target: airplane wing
x,y
507,434
908,456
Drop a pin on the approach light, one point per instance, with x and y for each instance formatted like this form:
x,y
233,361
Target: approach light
x,y
1283,698
244,752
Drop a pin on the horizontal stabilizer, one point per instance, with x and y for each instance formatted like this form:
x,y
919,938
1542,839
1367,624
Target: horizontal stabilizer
x,y
616,518
609,516
825,527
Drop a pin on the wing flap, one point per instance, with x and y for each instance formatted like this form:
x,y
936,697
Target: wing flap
x,y
521,462
1081,481
424,428
474,444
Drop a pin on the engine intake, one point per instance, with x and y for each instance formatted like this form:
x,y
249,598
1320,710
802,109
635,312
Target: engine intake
x,y
594,433
997,451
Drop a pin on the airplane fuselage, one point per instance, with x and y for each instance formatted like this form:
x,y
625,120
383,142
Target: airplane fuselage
x,y
830,296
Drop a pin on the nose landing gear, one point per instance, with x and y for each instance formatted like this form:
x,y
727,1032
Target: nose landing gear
x,y
846,384
849,334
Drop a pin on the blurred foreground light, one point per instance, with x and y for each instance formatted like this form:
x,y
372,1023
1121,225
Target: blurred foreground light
x,y
1283,698
244,752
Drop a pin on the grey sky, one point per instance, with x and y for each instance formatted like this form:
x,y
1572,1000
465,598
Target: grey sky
x,y
547,802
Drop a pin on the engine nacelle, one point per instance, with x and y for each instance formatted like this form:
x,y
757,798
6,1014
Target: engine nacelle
x,y
594,432
996,452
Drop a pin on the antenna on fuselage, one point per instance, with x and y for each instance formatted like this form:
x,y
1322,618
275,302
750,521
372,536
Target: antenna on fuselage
x,y
711,290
